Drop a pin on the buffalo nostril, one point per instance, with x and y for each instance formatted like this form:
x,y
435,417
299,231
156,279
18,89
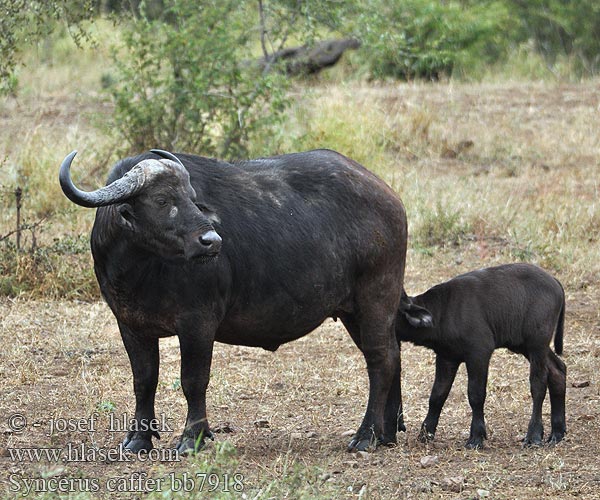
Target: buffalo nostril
x,y
211,240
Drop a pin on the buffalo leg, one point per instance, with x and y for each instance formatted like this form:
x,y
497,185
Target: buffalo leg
x,y
353,328
380,348
144,359
196,358
477,372
538,376
557,385
445,373
393,417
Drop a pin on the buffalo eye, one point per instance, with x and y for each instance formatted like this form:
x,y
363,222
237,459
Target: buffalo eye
x,y
161,202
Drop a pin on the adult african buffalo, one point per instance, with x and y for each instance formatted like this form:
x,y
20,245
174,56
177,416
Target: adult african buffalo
x,y
255,253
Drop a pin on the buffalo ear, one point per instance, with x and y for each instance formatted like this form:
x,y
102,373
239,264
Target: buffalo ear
x,y
417,316
125,217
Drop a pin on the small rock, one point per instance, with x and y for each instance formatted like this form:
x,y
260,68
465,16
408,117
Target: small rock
x,y
311,434
262,423
580,383
464,145
483,493
224,428
296,435
455,484
429,460
586,417
363,454
347,433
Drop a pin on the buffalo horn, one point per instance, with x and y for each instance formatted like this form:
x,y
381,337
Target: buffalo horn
x,y
167,155
117,191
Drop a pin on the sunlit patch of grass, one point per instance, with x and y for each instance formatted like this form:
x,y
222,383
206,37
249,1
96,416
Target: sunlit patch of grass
x,y
439,227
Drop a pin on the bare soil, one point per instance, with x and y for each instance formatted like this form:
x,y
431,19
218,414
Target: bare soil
x,y
295,407
288,414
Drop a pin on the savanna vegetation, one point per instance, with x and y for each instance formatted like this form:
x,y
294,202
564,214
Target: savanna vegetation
x,y
482,115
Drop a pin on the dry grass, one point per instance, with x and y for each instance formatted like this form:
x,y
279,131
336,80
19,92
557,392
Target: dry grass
x,y
489,173
65,360
504,172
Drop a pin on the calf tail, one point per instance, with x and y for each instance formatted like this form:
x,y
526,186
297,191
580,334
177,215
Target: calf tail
x,y
558,337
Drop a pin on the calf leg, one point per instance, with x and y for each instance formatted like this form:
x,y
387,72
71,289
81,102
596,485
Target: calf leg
x,y
196,356
557,385
144,359
477,372
538,376
445,373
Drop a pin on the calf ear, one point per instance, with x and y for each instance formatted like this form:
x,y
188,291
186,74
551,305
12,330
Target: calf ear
x,y
417,316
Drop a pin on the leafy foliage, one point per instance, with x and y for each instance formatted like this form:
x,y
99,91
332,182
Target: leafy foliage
x,y
561,27
186,81
24,22
426,39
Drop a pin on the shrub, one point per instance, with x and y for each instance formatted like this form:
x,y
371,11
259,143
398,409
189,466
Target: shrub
x,y
561,28
60,270
182,83
23,23
426,39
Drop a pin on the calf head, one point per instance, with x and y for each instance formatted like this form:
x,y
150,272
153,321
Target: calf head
x,y
156,206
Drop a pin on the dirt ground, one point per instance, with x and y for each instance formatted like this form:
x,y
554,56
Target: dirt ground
x,y
292,408
288,415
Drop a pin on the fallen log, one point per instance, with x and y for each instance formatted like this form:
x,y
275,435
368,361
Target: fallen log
x,y
307,60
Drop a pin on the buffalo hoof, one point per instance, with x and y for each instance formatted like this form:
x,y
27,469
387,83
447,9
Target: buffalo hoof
x,y
362,444
474,444
556,437
401,426
190,446
530,442
425,437
137,445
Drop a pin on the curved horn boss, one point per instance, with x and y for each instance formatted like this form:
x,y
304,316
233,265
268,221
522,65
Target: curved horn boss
x,y
117,191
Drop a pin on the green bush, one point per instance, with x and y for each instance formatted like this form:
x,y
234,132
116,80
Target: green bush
x,y
182,83
561,28
24,22
426,39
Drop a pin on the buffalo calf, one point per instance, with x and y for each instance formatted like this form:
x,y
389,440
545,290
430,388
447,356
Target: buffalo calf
x,y
517,306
